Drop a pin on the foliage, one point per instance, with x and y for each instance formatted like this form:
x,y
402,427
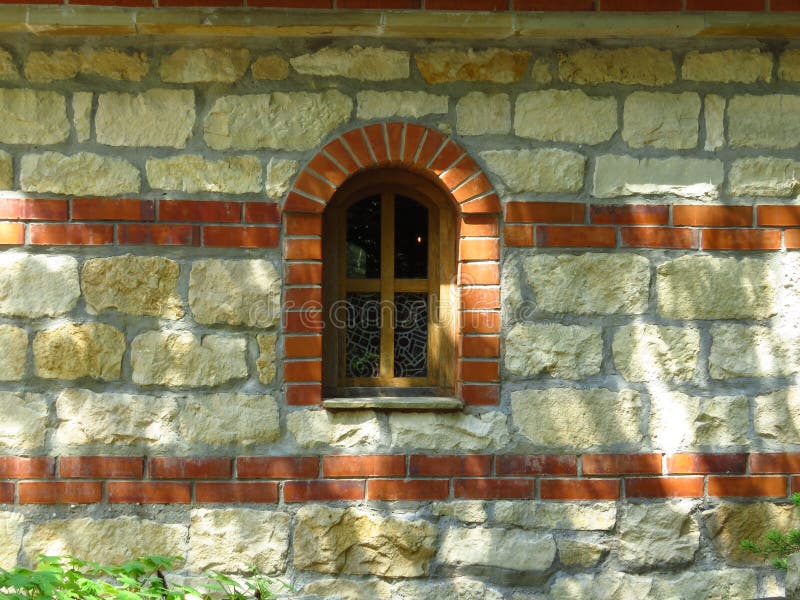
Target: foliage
x,y
777,545
69,578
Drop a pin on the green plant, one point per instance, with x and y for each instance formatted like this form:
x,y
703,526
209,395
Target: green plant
x,y
777,545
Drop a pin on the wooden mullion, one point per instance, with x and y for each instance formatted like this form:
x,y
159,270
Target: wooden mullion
x,y
387,286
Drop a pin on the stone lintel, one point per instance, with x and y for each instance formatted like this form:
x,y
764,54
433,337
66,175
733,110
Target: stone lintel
x,y
400,403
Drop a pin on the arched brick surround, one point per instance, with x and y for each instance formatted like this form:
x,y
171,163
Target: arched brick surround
x,y
442,160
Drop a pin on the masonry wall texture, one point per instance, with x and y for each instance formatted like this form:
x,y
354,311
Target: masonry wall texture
x,y
629,291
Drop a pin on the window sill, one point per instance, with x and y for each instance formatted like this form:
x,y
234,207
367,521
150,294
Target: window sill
x,y
411,403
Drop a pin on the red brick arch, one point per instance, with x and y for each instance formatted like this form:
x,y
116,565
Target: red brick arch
x,y
440,159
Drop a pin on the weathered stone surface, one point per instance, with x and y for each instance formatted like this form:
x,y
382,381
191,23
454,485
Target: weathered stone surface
x,y
466,511
229,418
37,285
769,121
345,589
288,121
728,584
540,72
6,171
13,352
580,552
730,523
458,588
76,350
564,351
630,66
348,429
707,287
82,115
24,423
582,516
499,548
413,105
793,576
483,114
115,540
205,65
271,67
543,170
359,542
789,65
135,285
603,586
617,175
577,419
727,66
121,424
193,173
661,120
32,117
764,176
280,173
8,70
11,531
265,363
565,116
777,416
236,539
236,292
364,64
81,174
448,432
744,351
494,64
580,284
714,115
657,535
646,352
44,67
681,422
157,117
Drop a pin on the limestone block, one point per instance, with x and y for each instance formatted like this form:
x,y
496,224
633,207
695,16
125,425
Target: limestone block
x,y
456,588
24,424
581,552
657,535
681,422
727,584
265,363
730,523
134,285
646,352
12,527
236,292
770,121
497,65
483,114
37,285
229,418
466,511
6,171
81,174
540,72
76,350
542,170
577,419
82,115
448,432
358,542
280,173
789,65
564,351
205,65
602,586
44,67
714,115
565,116
580,283
728,66
409,105
157,117
777,416
744,351
364,64
115,540
117,423
346,589
281,120
32,117
499,548
765,176
694,178
348,429
793,576
192,173
13,352
236,539
661,120
629,66
582,516
8,70
271,67
708,287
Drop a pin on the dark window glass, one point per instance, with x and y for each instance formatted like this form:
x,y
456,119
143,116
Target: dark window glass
x,y
363,337
411,335
364,239
410,239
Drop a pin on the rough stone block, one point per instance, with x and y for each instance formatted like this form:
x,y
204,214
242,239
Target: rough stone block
x,y
32,117
581,516
449,432
629,66
408,105
457,588
565,116
12,527
37,285
646,352
280,173
6,171
542,170
271,66
581,552
764,176
8,70
76,350
347,589
608,585
770,121
564,351
192,173
24,424
497,65
728,66
227,419
657,535
661,120
205,65
466,511
348,429
44,67
82,115
13,352
506,549
777,416
364,64
157,117
696,178
723,584
483,114
714,115
745,351
81,174
267,351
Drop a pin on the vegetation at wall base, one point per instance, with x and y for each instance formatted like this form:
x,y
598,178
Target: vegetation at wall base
x,y
777,545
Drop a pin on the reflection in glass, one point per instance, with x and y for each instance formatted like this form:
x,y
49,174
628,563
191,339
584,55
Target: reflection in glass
x,y
410,239
363,336
364,239
411,335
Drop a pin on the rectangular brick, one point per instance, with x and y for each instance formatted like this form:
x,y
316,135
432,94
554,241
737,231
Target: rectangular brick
x,y
37,467
739,5
478,226
314,187
58,234
33,209
545,212
659,237
302,370
479,249
159,235
376,138
240,237
559,5
296,202
303,273
478,322
741,239
536,464
308,297
302,346
475,187
747,486
489,203
60,492
290,3
262,212
487,5
6,492
479,370
784,5
100,467
480,346
480,298
480,274
277,467
621,464
167,467
664,487
791,238
200,211
306,394
461,465
257,492
408,489
12,234
769,215
304,321
635,214
112,209
518,235
580,489
712,216
494,489
780,462
300,224
706,463
479,394
639,5
323,490
576,236
148,492
303,249
375,465
460,172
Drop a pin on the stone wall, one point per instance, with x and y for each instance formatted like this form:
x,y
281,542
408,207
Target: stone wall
x,y
629,290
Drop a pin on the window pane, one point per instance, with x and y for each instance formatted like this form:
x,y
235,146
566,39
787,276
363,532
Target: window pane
x,y
364,239
411,335
363,337
410,239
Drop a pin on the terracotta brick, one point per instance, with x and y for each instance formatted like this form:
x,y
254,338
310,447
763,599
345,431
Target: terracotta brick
x,y
494,489
712,216
6,492
100,467
357,143
480,322
376,465
518,235
323,490
308,297
664,487
484,204
394,140
479,249
460,172
795,481
303,273
477,186
479,370
148,492
640,5
302,346
200,211
312,186
621,464
770,215
580,489
479,394
481,346
37,467
338,152
277,467
446,158
304,394
791,238
296,202
461,465
414,134
747,486
159,235
164,467
58,234
429,147
60,492
745,5
405,489
301,224
33,209
545,212
108,209
479,226
477,298
559,5
231,492
480,274
203,3
575,236
741,239
327,169
706,463
659,237
240,237
262,212
536,464
290,3
781,462
493,5
635,214
12,234
305,370
305,321
784,5
123,3
303,249
376,137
